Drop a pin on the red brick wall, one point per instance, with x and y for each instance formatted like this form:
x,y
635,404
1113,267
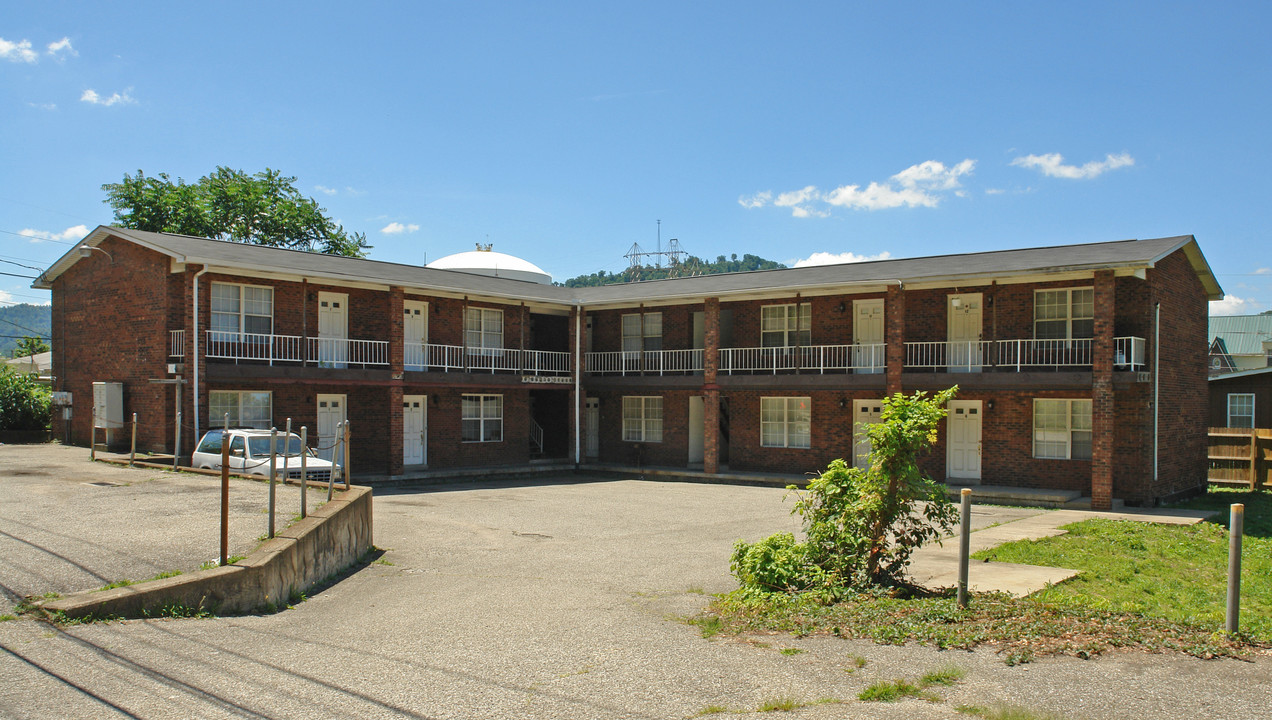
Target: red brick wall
x,y
1183,390
677,327
1259,385
673,451
110,323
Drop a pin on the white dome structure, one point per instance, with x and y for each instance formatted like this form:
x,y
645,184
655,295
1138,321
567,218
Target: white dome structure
x,y
494,264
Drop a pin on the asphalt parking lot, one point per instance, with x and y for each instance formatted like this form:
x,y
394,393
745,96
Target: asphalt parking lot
x,y
547,600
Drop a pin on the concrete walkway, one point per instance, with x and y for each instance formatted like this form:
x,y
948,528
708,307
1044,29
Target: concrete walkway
x,y
936,566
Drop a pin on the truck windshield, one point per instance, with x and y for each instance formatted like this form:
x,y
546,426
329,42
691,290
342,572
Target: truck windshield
x,y
258,446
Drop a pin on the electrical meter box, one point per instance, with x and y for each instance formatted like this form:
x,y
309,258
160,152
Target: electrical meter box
x,y
108,411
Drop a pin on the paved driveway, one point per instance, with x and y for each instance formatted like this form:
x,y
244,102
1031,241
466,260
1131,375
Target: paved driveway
x,y
552,601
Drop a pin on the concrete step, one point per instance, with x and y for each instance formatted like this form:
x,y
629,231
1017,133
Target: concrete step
x,y
1026,497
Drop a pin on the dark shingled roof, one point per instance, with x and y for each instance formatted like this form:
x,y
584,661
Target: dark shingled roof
x,y
956,268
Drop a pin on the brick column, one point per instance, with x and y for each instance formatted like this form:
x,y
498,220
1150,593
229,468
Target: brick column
x,y
894,336
577,357
710,391
1102,428
395,430
397,365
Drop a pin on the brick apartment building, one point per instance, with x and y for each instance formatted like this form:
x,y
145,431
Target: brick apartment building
x,y
1080,367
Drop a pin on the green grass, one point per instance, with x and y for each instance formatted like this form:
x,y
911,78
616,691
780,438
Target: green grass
x,y
946,675
792,651
1006,712
711,710
7,617
1021,628
1177,573
785,703
889,691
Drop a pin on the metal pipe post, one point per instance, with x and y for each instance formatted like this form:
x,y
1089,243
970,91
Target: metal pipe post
x,y
132,452
345,464
176,454
964,545
92,436
304,468
335,458
273,465
1236,528
225,489
287,453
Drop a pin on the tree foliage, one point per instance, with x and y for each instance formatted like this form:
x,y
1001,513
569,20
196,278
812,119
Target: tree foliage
x,y
860,526
690,267
24,403
265,209
28,346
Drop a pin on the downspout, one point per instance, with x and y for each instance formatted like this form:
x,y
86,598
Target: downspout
x,y
578,384
195,348
1157,364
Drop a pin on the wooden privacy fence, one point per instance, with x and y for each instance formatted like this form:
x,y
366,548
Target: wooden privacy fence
x,y
1240,456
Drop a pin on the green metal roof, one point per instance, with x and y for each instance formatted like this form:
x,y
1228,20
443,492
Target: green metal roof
x,y
1242,334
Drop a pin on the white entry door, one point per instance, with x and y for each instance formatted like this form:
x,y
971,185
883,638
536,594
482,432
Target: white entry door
x,y
415,333
963,425
331,413
964,333
592,428
414,429
333,329
864,414
697,429
867,336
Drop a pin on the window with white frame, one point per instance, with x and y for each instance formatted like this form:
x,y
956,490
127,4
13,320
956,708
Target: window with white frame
x,y
638,335
1240,410
642,419
483,330
247,309
482,418
786,325
1067,314
246,408
1062,429
786,422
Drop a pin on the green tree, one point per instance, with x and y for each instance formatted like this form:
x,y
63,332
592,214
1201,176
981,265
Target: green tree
x,y
861,526
265,209
24,403
28,346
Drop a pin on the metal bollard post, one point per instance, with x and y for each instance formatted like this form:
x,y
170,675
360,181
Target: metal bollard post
x,y
92,437
345,464
964,545
1236,528
273,464
304,469
335,458
225,488
287,453
132,452
176,445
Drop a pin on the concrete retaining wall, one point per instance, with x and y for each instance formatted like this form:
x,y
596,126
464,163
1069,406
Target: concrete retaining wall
x,y
331,539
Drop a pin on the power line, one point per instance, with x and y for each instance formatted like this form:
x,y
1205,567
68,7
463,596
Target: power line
x,y
22,327
28,267
28,277
37,237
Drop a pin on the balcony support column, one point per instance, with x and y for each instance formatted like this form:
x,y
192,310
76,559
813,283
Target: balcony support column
x,y
894,336
397,331
710,391
1102,410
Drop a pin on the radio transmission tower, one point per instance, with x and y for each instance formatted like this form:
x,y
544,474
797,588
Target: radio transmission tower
x,y
638,258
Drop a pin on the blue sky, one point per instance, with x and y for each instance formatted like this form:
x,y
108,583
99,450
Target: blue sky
x,y
562,132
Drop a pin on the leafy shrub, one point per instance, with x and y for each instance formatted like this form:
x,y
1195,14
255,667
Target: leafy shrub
x,y
24,403
861,525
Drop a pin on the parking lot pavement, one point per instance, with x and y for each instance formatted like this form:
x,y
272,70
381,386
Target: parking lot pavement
x,y
68,524
555,600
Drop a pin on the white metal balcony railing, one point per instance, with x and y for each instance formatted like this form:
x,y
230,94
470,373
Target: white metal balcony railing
x,y
651,362
176,343
1019,355
953,356
338,352
250,346
449,358
812,358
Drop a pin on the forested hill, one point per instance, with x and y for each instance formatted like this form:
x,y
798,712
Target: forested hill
x,y
690,267
19,320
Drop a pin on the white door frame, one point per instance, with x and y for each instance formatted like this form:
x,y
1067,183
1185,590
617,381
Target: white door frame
x,y
328,417
870,331
866,411
697,429
965,320
333,328
411,404
963,426
592,428
415,331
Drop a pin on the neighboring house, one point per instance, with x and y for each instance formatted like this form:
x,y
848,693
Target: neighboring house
x,y
38,364
1060,354
1241,399
1240,342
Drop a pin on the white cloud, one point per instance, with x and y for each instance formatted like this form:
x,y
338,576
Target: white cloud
x,y
397,228
19,51
43,106
62,46
825,258
326,190
91,97
1052,165
994,191
68,235
1263,271
5,297
921,185
1233,305
355,192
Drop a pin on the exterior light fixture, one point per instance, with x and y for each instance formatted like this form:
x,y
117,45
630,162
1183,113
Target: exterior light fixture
x,y
86,250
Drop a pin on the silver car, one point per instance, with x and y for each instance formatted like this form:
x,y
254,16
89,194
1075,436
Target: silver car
x,y
249,454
